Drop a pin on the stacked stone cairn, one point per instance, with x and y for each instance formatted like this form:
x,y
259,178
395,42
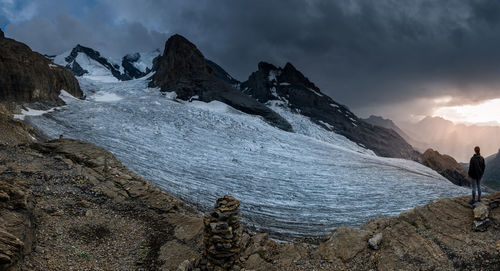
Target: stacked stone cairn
x,y
223,234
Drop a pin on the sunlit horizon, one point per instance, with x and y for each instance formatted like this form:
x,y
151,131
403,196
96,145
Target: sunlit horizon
x,y
486,113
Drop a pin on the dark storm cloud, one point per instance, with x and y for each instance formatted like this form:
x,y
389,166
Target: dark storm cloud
x,y
366,54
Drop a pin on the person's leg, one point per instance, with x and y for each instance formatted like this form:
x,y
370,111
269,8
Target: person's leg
x,y
479,190
473,182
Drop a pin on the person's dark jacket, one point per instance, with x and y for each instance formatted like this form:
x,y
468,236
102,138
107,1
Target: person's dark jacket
x,y
476,167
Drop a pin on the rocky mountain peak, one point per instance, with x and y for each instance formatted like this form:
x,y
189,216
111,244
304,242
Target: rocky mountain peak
x,y
183,68
132,57
1,34
181,58
293,76
181,63
266,67
288,87
275,83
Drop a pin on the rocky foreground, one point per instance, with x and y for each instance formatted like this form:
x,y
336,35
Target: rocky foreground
x,y
70,205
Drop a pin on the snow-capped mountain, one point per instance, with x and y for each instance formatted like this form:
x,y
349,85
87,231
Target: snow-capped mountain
x,y
137,65
85,61
288,87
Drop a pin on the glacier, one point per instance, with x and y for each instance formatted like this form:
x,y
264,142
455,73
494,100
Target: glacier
x,y
293,185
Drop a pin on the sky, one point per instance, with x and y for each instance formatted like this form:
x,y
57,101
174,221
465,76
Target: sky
x,y
401,59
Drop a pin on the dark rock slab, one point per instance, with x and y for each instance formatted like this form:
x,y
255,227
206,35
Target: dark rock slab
x,y
27,76
222,74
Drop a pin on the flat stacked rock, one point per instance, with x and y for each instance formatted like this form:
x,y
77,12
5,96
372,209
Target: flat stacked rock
x,y
223,234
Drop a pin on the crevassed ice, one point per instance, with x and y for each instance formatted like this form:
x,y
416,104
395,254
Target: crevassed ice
x,y
290,184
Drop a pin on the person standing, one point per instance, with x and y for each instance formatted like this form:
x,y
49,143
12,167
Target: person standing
x,y
476,171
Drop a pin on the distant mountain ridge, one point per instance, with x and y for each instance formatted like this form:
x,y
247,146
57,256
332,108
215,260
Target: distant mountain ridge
x,y
387,123
457,140
288,87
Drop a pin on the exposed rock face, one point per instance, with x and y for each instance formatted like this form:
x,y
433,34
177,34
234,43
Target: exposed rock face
x,y
16,229
27,76
95,55
222,234
130,70
220,73
289,87
446,166
14,131
182,68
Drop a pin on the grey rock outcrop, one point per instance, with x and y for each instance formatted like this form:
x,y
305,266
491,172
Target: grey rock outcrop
x,y
290,87
182,68
27,76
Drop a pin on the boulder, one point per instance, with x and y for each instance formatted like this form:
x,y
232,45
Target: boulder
x,y
257,263
481,217
187,227
175,254
344,243
374,242
184,266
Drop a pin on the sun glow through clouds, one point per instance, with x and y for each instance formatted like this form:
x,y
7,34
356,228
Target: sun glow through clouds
x,y
487,112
